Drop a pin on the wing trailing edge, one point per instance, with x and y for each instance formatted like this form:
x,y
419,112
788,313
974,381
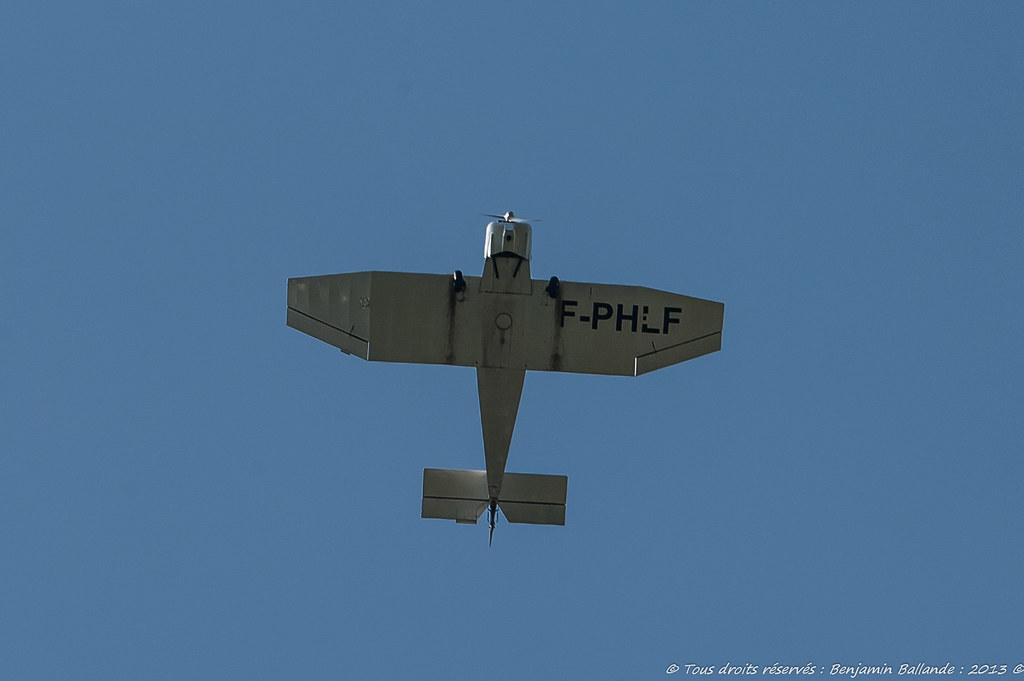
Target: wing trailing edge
x,y
663,357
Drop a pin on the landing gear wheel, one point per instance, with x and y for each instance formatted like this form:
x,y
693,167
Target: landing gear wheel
x,y
458,282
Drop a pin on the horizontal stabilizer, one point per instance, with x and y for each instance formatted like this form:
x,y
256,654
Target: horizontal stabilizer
x,y
524,498
537,499
454,495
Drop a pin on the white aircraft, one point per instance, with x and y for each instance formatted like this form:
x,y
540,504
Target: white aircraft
x,y
503,323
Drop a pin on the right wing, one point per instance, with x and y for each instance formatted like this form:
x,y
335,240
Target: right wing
x,y
389,316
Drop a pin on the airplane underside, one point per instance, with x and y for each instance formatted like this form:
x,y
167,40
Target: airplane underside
x,y
503,323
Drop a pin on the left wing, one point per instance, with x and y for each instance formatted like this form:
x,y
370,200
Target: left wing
x,y
619,330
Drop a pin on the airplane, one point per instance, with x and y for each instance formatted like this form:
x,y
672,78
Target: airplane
x,y
504,324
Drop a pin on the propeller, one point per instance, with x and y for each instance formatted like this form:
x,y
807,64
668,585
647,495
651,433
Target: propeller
x,y
510,217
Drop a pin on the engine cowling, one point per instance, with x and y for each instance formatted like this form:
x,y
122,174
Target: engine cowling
x,y
508,238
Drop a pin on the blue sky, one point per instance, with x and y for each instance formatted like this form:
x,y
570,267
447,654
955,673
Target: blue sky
x,y
190,489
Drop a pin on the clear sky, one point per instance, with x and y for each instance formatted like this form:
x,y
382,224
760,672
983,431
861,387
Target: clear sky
x,y
191,489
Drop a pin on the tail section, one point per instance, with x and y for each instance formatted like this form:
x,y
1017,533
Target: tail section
x,y
454,495
524,498
536,499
